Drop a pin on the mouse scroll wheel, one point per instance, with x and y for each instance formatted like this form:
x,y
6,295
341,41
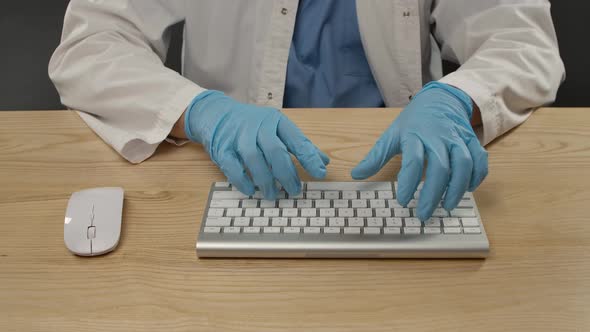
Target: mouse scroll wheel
x,y
91,232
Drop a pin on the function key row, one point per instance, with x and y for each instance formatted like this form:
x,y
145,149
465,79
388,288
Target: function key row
x,y
342,230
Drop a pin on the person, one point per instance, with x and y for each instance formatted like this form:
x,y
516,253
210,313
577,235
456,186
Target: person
x,y
243,60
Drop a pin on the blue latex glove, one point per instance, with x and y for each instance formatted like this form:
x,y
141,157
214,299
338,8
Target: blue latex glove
x,y
436,124
242,137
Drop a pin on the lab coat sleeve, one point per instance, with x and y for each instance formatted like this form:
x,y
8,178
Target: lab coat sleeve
x,y
109,66
509,57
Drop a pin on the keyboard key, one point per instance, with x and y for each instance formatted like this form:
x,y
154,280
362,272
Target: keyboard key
x,y
298,196
349,194
228,195
291,230
340,203
471,230
260,221
225,203
267,204
231,230
432,222
470,222
331,194
413,204
465,203
327,212
212,229
375,222
254,212
250,203
431,230
304,203
394,204
336,222
393,222
222,184
323,203
272,212
279,222
317,222
332,230
258,195
349,186
451,222
242,221
233,212
352,230
272,230
215,212
367,194
364,212
391,230
412,230
401,212
251,230
299,222
452,230
358,203
372,230
345,212
356,222
377,203
311,230
313,195
217,221
286,203
290,212
383,212
282,194
412,222
440,212
463,213
388,194
308,212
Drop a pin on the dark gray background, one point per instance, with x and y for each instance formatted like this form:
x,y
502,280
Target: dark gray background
x,y
30,31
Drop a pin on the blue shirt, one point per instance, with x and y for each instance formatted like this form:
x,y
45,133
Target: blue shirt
x,y
327,65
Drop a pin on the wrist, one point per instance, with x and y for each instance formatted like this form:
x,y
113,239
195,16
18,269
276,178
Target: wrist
x,y
192,111
463,98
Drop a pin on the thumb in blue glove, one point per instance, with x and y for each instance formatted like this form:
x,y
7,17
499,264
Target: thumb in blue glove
x,y
435,124
242,138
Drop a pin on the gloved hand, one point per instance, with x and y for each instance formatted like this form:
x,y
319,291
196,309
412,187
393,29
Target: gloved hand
x,y
436,123
241,137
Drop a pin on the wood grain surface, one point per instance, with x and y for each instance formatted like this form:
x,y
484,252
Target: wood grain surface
x,y
535,206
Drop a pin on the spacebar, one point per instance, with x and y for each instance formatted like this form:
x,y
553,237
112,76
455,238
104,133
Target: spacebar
x,y
367,186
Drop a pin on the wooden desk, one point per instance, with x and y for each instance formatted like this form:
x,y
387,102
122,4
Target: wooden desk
x,y
535,206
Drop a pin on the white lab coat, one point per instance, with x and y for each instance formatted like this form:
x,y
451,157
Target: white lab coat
x,y
109,63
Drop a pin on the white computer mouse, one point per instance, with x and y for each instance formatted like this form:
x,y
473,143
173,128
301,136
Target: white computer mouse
x,y
93,221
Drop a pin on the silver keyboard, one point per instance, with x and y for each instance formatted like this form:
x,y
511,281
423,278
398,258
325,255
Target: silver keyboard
x,y
336,220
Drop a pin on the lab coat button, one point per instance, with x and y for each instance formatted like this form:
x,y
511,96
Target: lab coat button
x,y
269,96
284,11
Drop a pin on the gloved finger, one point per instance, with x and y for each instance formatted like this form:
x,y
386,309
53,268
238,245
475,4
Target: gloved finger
x,y
480,163
410,174
461,169
279,159
384,149
261,175
235,172
302,148
323,156
437,179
